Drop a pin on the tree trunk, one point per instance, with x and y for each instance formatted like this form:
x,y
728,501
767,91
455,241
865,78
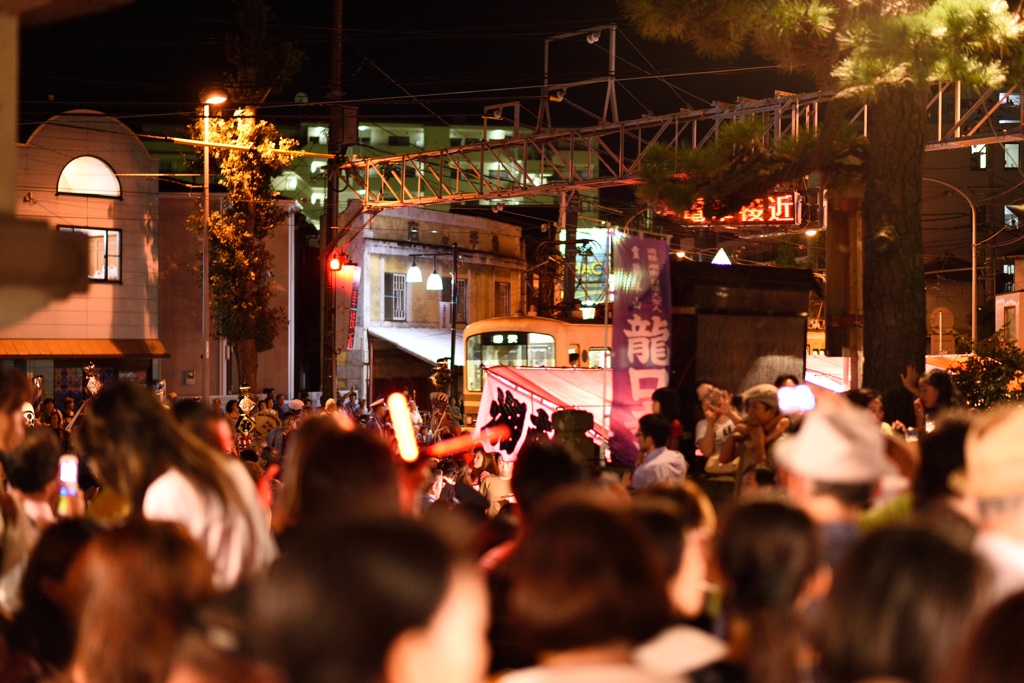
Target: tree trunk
x,y
248,361
894,295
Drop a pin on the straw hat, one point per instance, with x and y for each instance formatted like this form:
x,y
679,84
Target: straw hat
x,y
993,455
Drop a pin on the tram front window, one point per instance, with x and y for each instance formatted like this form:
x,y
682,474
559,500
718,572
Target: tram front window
x,y
516,349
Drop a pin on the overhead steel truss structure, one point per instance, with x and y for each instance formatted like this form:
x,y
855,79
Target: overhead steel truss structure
x,y
609,154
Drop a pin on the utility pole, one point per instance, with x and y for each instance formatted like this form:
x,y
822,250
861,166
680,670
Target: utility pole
x,y
569,210
329,222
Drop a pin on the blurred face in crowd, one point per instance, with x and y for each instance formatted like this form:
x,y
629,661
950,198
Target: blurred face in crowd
x,y
687,587
875,408
452,647
12,428
225,436
929,394
504,468
759,413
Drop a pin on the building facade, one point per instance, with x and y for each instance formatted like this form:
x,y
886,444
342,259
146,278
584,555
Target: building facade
x,y
86,173
401,328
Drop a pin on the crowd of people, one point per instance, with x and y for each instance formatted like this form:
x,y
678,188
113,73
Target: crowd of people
x,y
191,546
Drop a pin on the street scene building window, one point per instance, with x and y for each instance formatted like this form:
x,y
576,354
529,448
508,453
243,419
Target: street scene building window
x,y
1006,282
979,157
395,297
462,314
104,252
89,176
1010,218
1011,155
502,299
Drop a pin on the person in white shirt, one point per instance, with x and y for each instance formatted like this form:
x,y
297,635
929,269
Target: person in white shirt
x,y
167,474
657,463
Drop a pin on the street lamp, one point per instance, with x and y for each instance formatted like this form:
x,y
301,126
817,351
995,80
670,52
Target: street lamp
x,y
415,275
974,255
434,284
207,97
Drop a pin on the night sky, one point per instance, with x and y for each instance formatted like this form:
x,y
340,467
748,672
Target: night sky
x,y
147,62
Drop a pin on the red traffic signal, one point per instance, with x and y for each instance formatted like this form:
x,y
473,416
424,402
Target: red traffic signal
x,y
334,262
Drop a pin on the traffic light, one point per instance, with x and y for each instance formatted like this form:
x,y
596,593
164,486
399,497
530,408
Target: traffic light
x,y
335,261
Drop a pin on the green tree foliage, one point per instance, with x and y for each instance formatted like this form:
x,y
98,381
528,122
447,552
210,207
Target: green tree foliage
x,y
992,373
886,53
262,62
241,273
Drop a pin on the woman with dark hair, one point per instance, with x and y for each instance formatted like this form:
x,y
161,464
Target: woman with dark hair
x,y
900,605
480,467
871,400
585,586
168,474
373,601
332,476
770,556
675,521
42,634
936,394
139,585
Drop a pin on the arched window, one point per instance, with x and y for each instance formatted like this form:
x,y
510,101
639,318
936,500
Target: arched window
x,y
89,176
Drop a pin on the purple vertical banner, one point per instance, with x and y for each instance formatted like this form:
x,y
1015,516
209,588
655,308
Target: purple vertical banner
x,y
640,337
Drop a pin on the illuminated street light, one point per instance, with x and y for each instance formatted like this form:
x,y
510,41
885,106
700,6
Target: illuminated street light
x,y
207,97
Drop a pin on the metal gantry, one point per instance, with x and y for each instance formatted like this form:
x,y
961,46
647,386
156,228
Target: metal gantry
x,y
610,154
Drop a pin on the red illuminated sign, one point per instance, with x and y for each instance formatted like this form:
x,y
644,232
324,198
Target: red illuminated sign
x,y
774,209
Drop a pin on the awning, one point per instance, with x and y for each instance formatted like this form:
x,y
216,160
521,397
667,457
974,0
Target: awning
x,y
426,343
82,348
561,388
833,372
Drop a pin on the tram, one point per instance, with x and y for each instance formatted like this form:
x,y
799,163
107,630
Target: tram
x,y
529,341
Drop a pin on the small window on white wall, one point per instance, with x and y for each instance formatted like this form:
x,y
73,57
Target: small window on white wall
x,y
104,253
89,176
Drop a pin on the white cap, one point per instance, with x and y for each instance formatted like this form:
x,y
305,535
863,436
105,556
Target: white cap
x,y
835,445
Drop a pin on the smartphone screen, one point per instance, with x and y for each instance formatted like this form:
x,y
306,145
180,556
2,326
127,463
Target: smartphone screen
x,y
69,469
66,503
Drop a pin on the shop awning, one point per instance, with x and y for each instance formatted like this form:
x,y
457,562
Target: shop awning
x,y
426,343
82,348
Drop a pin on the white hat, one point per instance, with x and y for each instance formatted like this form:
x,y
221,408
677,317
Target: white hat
x,y
295,405
993,455
835,445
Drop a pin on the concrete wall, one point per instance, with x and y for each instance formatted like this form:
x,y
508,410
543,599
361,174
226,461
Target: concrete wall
x,y
181,306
